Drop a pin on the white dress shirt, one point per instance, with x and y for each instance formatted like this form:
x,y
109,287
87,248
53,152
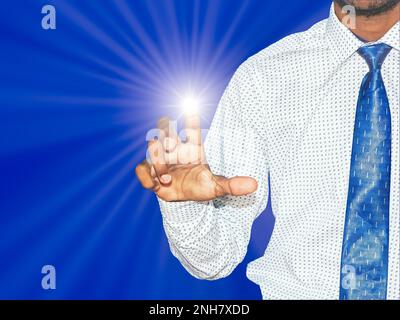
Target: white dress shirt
x,y
289,113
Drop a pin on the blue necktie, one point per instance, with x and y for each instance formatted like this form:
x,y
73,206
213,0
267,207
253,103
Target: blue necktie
x,y
364,268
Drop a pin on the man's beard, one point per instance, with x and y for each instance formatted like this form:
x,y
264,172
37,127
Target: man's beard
x,y
373,8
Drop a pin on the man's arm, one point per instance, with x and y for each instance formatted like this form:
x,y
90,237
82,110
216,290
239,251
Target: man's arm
x,y
210,237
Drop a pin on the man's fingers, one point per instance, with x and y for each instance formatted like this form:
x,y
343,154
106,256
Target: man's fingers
x,y
192,129
157,159
143,172
171,139
165,125
170,144
188,153
236,186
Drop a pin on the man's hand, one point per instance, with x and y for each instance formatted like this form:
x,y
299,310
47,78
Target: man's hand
x,y
178,171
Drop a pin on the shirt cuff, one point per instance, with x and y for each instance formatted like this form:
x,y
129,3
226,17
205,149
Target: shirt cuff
x,y
181,212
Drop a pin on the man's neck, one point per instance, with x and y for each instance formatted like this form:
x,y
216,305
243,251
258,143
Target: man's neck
x,y
372,28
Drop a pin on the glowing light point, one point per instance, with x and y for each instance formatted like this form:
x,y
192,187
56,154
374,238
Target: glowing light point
x,y
190,105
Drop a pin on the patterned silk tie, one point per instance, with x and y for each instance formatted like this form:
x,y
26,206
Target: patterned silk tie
x,y
364,268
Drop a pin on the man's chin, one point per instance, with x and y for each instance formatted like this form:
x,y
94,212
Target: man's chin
x,y
369,8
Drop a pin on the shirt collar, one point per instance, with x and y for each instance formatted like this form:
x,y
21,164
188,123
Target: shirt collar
x,y
392,37
344,43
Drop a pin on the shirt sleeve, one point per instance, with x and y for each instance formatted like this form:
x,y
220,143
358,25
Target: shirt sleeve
x,y
210,238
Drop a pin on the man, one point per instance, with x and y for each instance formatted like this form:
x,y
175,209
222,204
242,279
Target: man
x,y
317,112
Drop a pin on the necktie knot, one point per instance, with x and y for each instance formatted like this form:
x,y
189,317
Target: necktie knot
x,y
374,55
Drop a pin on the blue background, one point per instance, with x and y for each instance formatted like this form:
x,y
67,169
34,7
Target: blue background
x,y
75,106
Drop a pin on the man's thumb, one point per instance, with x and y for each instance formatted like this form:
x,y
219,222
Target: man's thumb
x,y
238,186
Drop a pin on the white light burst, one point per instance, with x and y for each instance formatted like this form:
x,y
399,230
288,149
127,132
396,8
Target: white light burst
x,y
190,104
